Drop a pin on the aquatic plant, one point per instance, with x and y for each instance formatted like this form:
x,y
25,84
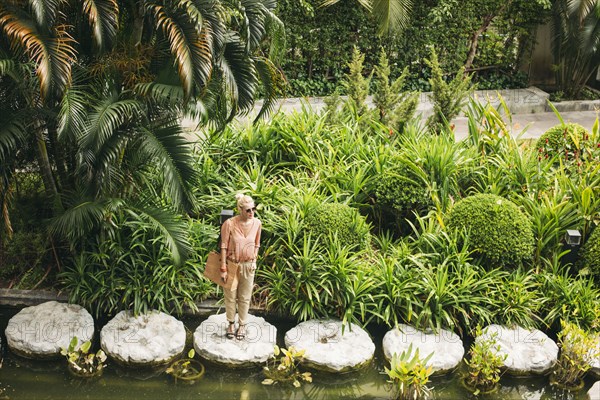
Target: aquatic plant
x,y
483,372
186,369
285,369
81,361
578,349
409,374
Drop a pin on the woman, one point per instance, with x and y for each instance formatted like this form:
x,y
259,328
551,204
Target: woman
x,y
240,240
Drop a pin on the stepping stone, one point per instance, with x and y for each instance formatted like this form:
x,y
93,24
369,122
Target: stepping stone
x,y
594,392
40,331
328,349
149,340
257,347
529,352
447,347
595,370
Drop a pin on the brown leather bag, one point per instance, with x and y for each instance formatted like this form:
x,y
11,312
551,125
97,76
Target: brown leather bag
x,y
213,271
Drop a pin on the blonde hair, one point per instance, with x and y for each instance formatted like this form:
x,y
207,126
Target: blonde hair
x,y
243,199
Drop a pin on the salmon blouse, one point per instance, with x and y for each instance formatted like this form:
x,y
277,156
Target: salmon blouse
x,y
240,247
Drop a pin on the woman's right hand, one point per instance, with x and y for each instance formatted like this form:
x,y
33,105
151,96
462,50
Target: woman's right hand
x,y
224,276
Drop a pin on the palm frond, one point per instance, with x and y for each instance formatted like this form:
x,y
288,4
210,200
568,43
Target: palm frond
x,y
7,66
172,227
76,222
391,15
168,148
161,93
202,56
45,11
253,22
214,103
239,75
72,113
103,169
180,46
271,79
108,116
52,55
214,15
12,134
103,16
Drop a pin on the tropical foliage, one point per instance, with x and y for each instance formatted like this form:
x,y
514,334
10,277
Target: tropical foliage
x,y
93,93
576,29
423,271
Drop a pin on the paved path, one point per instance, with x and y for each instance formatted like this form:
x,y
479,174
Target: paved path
x,y
529,108
536,124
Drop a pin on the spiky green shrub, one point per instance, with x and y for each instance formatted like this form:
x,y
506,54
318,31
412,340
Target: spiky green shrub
x,y
448,97
395,107
398,194
500,234
338,219
590,253
357,86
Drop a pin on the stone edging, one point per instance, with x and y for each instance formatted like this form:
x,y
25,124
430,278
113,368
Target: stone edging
x,y
27,298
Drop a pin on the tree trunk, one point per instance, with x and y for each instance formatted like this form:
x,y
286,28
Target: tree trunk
x,y
138,24
59,158
487,20
475,41
44,160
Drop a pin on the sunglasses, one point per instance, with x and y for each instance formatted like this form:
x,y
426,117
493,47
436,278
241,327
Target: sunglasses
x,y
250,209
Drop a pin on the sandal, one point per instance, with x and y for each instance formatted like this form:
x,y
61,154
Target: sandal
x,y
229,333
240,334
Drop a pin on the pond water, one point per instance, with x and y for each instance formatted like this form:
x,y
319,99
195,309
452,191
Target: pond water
x,y
26,379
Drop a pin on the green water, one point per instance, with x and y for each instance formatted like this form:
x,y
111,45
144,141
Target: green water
x,y
31,380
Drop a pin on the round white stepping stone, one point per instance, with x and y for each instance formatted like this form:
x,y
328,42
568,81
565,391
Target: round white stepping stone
x,y
327,349
594,392
256,348
40,331
146,340
528,352
595,370
447,347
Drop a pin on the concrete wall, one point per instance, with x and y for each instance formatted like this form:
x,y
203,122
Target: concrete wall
x,y
539,66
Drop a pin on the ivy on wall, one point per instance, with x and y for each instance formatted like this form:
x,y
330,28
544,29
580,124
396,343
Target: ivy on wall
x,y
320,41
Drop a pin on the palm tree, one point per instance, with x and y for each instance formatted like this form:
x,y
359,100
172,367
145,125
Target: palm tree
x,y
96,87
390,15
576,43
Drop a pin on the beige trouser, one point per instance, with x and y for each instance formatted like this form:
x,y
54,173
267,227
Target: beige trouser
x,y
242,294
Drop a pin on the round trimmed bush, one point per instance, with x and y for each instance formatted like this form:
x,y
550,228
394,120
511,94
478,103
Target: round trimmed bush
x,y
498,231
341,219
559,139
397,196
590,253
